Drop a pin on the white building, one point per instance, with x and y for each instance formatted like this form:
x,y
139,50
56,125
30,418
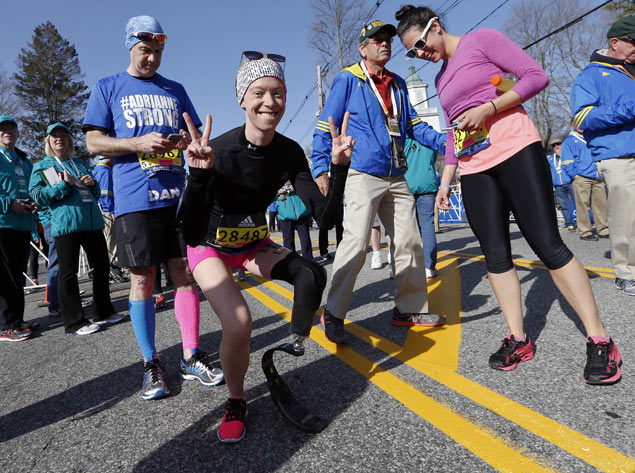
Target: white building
x,y
418,92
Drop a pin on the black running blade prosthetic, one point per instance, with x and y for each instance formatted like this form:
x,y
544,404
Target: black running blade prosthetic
x,y
284,399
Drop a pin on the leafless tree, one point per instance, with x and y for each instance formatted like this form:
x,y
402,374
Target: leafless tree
x,y
562,55
622,7
8,103
334,31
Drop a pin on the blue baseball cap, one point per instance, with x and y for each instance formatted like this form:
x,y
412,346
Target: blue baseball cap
x,y
140,23
55,125
8,118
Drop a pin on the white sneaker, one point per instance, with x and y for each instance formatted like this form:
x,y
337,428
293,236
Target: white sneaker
x,y
431,273
375,261
113,319
86,330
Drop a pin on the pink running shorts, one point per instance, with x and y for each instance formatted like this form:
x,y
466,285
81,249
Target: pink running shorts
x,y
232,260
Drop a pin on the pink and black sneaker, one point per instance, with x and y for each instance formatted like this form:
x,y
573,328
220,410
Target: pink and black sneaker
x,y
511,353
232,428
603,363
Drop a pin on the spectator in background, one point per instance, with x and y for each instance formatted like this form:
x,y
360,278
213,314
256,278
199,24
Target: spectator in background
x,y
294,216
588,187
273,217
421,177
66,187
561,182
17,222
103,175
602,97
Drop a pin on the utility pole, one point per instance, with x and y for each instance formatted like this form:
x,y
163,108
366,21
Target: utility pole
x,y
320,95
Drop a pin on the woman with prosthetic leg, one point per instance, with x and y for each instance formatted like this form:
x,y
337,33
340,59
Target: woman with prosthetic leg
x,y
232,181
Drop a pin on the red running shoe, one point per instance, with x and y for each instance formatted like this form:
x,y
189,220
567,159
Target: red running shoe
x,y
603,363
159,301
511,353
232,428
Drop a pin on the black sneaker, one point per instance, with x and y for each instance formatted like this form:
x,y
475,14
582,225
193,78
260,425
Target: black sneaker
x,y
590,237
603,363
423,319
333,327
511,353
199,368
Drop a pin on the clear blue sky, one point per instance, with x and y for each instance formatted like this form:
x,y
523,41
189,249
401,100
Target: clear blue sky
x,y
205,39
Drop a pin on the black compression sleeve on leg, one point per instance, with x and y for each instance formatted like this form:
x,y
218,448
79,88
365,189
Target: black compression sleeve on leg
x,y
309,280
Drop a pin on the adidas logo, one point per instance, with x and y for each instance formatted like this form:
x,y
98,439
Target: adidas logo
x,y
247,222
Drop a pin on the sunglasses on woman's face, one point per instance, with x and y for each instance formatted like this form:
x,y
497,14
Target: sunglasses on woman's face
x,y
255,55
147,36
421,42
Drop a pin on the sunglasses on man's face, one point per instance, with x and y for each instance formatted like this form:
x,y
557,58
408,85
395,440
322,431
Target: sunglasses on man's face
x,y
421,42
255,55
147,36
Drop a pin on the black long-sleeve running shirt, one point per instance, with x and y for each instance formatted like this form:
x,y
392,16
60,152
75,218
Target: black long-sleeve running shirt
x,y
243,182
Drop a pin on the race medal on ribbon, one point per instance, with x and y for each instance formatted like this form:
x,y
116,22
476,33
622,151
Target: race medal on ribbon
x,y
466,144
239,230
393,127
152,163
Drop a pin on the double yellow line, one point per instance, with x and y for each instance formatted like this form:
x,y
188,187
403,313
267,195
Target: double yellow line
x,y
434,353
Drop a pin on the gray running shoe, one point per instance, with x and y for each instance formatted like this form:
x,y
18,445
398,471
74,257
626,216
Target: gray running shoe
x,y
14,335
113,319
333,327
154,386
421,319
198,367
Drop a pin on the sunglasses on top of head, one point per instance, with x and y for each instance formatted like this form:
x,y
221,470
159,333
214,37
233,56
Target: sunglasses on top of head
x,y
147,36
420,43
255,55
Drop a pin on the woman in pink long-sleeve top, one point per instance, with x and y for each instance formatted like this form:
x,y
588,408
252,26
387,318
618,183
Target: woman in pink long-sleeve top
x,y
503,169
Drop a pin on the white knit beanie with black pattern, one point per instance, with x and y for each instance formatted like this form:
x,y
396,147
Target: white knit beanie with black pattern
x,y
252,70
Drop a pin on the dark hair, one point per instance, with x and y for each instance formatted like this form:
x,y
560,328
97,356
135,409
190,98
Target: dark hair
x,y
410,16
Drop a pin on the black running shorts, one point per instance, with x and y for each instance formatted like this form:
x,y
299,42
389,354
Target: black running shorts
x,y
149,237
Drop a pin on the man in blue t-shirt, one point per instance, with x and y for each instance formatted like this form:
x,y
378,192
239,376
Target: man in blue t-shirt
x,y
136,117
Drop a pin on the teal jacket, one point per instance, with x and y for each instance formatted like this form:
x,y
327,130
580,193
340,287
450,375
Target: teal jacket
x,y
68,212
9,191
421,175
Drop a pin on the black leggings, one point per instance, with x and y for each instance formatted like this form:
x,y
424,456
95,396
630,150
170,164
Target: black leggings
x,y
522,185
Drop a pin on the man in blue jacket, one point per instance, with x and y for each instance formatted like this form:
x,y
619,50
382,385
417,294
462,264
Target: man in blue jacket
x,y
381,118
561,182
17,222
603,101
588,187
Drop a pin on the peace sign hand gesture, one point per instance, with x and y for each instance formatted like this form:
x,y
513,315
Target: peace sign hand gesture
x,y
199,152
342,149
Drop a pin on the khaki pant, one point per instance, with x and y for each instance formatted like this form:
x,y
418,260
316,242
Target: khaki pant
x,y
619,175
391,199
589,192
110,235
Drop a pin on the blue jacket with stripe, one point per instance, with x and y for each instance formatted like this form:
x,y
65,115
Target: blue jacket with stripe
x,y
603,102
372,154
103,175
574,149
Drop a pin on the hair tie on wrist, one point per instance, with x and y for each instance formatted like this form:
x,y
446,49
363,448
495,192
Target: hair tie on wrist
x,y
493,105
445,185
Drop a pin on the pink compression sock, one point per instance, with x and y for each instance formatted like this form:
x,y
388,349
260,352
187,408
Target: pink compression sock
x,y
188,313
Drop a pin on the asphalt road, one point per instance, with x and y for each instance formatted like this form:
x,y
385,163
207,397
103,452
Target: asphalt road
x,y
397,399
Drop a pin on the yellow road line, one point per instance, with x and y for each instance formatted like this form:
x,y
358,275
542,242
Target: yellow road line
x,y
527,263
480,441
577,444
